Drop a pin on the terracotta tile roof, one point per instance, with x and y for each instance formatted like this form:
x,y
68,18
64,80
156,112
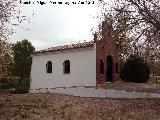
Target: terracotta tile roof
x,y
67,47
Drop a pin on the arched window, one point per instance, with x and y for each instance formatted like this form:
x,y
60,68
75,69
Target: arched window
x,y
116,68
49,67
66,66
101,67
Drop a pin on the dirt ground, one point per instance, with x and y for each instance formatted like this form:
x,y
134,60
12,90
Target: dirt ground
x,y
130,87
62,107
4,92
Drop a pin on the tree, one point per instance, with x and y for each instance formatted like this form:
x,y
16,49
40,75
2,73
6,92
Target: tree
x,y
135,70
9,10
136,28
120,29
22,57
5,59
142,16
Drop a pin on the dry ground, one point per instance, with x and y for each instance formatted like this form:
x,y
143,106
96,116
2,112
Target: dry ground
x,y
62,107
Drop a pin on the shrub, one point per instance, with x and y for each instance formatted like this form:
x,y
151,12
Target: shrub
x,y
15,84
4,84
135,70
20,87
8,82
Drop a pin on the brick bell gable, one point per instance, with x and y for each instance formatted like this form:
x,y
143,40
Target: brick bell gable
x,y
106,47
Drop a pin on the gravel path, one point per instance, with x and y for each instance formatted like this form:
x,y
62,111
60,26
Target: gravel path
x,y
98,93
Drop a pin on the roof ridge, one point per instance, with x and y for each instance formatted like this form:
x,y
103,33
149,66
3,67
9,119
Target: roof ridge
x,y
69,46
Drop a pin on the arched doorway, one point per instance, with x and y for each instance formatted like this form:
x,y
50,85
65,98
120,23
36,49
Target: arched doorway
x,y
109,69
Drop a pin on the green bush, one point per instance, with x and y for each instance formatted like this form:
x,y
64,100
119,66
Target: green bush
x,y
20,86
19,89
4,84
135,70
8,82
16,85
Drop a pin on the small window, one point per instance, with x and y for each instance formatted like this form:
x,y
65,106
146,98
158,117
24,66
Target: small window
x,y
116,68
101,67
49,67
66,67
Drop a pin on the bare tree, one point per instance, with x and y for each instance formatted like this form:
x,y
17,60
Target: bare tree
x,y
121,28
137,22
9,10
10,15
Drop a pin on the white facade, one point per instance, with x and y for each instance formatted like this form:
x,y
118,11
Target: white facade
x,y
82,69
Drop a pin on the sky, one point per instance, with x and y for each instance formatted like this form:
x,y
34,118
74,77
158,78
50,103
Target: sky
x,y
54,24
